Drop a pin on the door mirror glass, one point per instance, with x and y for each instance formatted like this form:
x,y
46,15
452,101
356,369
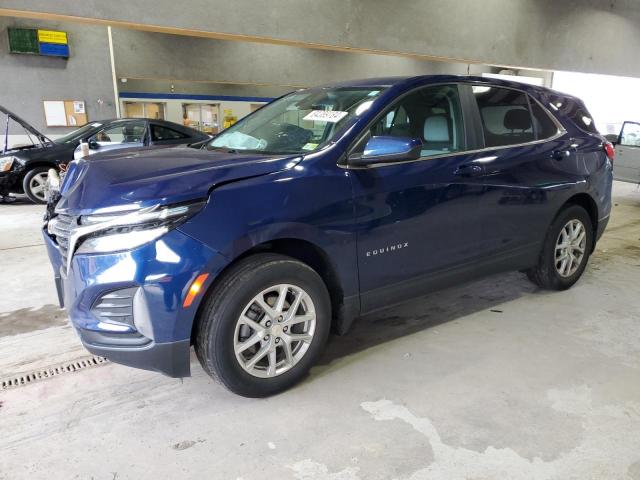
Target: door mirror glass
x,y
93,144
386,149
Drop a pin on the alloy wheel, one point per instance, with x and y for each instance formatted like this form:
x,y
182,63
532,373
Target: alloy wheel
x,y
274,331
38,186
570,248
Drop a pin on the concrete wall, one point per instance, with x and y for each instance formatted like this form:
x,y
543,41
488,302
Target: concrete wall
x,y
160,56
27,80
600,36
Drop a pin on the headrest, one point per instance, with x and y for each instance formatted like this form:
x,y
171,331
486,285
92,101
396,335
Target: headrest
x,y
517,119
436,129
129,130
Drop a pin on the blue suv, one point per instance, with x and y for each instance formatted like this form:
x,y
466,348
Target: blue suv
x,y
325,205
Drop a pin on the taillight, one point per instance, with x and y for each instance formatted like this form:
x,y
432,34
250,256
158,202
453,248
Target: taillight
x,y
609,150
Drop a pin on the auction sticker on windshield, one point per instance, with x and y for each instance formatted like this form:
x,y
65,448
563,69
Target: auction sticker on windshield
x,y
332,116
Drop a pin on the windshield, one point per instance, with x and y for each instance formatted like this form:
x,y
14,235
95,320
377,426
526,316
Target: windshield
x,y
78,134
298,123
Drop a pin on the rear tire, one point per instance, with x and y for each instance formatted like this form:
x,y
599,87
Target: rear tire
x,y
233,328
34,184
566,251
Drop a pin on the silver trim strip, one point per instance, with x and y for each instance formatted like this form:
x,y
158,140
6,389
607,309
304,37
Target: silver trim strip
x,y
462,152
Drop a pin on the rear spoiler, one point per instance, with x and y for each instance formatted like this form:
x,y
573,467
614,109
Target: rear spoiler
x,y
30,129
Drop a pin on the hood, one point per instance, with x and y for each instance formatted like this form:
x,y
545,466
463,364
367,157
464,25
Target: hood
x,y
118,180
27,126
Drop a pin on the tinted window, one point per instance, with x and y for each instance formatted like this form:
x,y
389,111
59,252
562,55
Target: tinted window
x,y
432,114
505,115
159,133
545,127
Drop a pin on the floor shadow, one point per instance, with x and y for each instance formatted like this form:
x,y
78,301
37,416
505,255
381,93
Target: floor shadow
x,y
19,200
427,312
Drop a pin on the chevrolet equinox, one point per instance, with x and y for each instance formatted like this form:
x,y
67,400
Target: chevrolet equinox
x,y
322,206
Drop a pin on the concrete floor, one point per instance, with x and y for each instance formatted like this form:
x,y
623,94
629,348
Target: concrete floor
x,y
492,380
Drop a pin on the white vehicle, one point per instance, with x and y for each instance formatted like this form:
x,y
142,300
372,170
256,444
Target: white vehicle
x,y
626,166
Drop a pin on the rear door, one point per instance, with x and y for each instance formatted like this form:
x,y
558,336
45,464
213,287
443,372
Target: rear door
x,y
419,218
626,166
525,156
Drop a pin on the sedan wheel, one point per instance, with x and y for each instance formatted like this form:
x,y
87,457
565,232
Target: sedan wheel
x,y
35,184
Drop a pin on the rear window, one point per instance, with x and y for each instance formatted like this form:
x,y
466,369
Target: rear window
x,y
159,133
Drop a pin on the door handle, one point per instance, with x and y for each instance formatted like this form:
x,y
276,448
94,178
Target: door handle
x,y
468,170
560,154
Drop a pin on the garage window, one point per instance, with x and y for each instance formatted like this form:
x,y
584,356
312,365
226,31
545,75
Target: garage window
x,y
159,133
505,114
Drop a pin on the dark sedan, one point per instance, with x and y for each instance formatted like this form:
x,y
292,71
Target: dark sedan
x,y
23,168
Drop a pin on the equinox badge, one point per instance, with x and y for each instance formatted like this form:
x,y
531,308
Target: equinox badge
x,y
388,249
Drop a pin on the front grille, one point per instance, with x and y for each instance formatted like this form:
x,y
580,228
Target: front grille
x,y
60,227
116,306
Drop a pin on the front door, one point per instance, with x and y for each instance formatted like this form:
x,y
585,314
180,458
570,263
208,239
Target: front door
x,y
124,134
626,166
418,218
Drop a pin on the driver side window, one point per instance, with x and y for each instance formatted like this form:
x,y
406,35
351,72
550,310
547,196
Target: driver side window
x,y
432,114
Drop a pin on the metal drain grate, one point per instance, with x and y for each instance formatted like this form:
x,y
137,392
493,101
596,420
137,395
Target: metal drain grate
x,y
33,377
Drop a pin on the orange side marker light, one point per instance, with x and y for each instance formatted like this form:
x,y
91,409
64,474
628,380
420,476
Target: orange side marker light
x,y
195,288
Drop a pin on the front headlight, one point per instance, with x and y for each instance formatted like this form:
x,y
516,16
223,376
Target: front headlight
x,y
113,232
6,163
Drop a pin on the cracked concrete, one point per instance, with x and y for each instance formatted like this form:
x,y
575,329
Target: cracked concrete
x,y
492,380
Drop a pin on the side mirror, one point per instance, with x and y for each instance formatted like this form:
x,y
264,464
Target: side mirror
x,y
385,149
93,145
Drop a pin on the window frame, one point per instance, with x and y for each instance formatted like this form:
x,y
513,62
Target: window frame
x,y
471,121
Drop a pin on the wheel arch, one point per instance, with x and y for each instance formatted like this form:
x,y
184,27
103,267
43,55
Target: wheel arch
x,y
308,253
587,202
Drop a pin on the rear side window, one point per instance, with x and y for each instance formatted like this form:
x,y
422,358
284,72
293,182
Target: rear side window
x,y
159,133
545,127
506,118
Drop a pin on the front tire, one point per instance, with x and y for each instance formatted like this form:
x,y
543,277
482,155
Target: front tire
x,y
263,325
566,250
34,184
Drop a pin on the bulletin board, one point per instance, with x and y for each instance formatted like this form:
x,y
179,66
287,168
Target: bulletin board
x,y
65,113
